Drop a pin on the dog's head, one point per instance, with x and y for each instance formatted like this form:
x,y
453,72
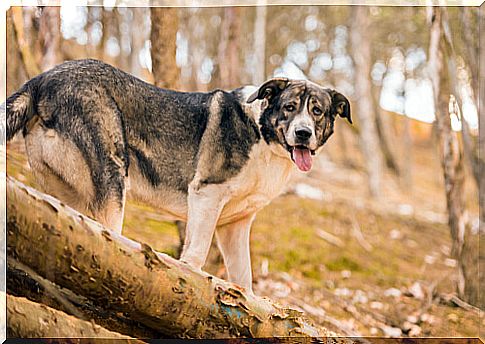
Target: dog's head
x,y
299,115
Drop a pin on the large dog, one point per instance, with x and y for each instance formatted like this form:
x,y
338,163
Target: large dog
x,y
93,133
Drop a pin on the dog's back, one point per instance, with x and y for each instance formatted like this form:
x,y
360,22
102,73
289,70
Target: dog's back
x,y
87,124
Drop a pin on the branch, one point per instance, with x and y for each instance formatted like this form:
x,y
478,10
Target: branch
x,y
116,273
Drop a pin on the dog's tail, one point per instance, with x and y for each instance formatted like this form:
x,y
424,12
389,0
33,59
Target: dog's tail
x,y
19,108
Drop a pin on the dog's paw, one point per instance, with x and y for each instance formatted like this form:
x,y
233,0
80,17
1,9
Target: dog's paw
x,y
191,265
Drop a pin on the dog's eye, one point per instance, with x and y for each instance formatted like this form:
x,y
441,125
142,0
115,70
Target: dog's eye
x,y
289,108
317,111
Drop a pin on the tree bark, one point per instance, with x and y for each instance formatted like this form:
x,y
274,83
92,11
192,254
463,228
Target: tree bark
x,y
28,58
383,129
24,282
119,274
16,73
50,37
464,243
163,37
228,52
27,319
361,54
137,42
259,34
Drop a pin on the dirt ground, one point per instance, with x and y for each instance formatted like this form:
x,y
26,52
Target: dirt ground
x,y
370,267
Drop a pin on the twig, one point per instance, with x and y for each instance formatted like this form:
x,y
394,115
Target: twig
x,y
357,233
330,238
453,298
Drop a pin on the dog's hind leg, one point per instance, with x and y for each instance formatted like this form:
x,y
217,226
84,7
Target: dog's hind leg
x,y
233,242
59,168
112,212
62,171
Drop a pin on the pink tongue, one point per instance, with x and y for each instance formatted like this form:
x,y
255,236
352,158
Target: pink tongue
x,y
302,159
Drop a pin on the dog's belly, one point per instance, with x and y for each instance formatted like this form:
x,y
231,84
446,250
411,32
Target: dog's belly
x,y
171,204
264,177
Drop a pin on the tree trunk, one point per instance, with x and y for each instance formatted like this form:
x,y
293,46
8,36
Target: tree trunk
x,y
259,34
228,52
464,244
471,32
383,129
481,135
28,59
50,37
163,37
16,73
24,282
119,274
361,54
137,42
27,319
407,151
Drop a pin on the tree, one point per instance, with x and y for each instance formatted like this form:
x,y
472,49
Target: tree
x,y
163,39
50,37
464,246
229,47
369,139
28,59
16,72
260,43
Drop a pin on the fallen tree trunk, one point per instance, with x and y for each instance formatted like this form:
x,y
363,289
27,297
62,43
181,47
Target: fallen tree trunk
x,y
23,282
27,319
119,274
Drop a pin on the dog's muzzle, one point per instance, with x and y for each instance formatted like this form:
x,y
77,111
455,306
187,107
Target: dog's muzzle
x,y
301,143
301,154
302,135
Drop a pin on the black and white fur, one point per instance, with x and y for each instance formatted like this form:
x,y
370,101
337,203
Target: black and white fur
x,y
94,134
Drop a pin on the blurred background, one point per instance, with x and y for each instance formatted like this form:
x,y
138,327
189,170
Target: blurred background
x,y
382,237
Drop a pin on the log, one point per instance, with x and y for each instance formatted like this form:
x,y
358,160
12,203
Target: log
x,y
27,319
119,274
23,282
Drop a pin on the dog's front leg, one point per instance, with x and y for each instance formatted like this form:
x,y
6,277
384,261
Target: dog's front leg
x,y
233,242
204,207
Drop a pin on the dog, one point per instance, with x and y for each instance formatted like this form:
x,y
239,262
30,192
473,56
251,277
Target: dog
x,y
94,133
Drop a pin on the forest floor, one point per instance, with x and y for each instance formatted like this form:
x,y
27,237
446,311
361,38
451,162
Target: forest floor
x,y
371,267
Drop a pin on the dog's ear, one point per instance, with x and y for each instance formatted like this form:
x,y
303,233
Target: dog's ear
x,y
341,105
269,89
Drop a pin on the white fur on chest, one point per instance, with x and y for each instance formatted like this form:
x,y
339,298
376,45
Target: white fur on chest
x,y
264,177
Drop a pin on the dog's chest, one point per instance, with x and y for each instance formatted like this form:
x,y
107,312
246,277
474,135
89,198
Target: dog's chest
x,y
265,177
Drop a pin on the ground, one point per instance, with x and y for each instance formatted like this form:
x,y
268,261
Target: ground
x,y
371,267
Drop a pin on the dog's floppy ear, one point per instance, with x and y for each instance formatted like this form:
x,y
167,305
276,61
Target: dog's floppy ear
x,y
269,89
341,105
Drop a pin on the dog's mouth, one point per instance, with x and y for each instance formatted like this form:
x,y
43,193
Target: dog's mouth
x,y
302,157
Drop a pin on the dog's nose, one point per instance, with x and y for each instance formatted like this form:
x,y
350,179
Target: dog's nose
x,y
303,133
